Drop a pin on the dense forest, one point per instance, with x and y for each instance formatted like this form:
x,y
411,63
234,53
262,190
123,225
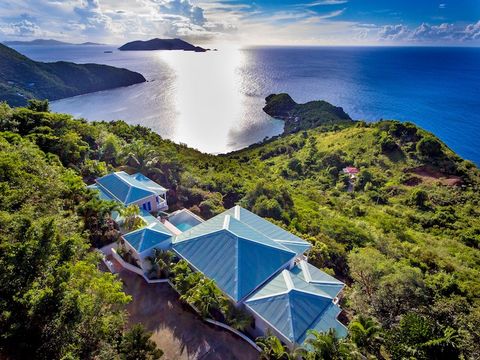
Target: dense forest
x,y
404,235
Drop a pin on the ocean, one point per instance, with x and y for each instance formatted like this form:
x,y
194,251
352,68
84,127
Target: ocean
x,y
213,101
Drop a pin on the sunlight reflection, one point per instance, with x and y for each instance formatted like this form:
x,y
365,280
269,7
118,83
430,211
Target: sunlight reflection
x,y
207,96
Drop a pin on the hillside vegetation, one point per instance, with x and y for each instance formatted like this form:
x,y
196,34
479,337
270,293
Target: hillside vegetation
x,y
22,78
405,240
161,44
304,116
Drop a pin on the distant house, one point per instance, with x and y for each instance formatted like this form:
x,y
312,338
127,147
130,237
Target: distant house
x,y
351,171
134,189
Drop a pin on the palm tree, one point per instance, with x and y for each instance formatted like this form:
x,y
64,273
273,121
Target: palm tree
x,y
273,349
96,217
205,297
238,318
161,262
365,333
131,218
327,346
139,157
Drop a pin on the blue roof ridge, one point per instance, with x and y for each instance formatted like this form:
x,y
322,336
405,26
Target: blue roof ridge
x,y
238,217
106,190
236,272
194,237
308,277
277,246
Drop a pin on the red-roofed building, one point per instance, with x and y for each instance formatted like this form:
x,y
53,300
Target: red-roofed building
x,y
350,170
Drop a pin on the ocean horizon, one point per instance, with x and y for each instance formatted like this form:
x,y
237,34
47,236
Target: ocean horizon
x,y
436,88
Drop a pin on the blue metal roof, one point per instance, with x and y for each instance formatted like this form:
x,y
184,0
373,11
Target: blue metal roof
x,y
318,278
293,306
149,218
148,183
127,188
155,235
274,232
233,254
103,195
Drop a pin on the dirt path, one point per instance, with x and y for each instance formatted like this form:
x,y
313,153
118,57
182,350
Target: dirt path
x,y
179,332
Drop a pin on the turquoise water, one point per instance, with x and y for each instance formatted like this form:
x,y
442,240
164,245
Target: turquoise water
x,y
213,101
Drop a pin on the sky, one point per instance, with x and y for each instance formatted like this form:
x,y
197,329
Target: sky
x,y
261,22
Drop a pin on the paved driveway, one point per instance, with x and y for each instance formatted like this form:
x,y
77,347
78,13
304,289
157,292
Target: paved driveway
x,y
179,332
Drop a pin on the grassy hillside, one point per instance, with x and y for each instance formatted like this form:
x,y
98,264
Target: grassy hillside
x,y
22,78
406,240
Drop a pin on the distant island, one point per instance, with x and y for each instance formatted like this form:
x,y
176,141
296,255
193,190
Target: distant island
x,y
303,116
161,44
46,42
22,78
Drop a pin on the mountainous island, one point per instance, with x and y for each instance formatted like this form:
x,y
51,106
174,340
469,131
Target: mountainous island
x,y
46,42
303,116
161,44
22,78
403,234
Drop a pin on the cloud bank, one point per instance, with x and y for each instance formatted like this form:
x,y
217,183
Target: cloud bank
x,y
309,22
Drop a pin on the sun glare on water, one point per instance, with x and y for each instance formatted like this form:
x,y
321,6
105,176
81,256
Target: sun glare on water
x,y
207,96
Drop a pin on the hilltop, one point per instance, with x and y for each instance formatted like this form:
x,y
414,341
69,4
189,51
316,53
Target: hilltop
x,y
303,116
22,78
161,44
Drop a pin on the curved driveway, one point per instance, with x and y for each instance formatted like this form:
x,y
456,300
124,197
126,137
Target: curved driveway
x,y
177,330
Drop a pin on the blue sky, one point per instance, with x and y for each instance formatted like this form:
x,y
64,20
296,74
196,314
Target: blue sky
x,y
311,22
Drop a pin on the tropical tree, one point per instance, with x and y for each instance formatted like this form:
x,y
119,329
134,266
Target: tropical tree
x,y
136,345
273,349
237,318
365,333
139,157
131,219
97,220
161,262
205,297
327,346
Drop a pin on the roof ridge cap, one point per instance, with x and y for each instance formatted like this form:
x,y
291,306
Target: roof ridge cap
x,y
306,271
288,280
226,222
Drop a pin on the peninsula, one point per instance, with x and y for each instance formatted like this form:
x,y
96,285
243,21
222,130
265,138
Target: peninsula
x,y
303,116
22,78
161,44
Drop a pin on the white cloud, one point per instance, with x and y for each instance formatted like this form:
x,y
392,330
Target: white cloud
x,y
22,28
393,32
472,31
426,33
326,2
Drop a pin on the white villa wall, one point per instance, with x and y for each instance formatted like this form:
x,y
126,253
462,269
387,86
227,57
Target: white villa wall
x,y
153,202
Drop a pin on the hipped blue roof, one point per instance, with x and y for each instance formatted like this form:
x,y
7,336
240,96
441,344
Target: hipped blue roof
x,y
265,227
128,188
155,235
237,257
318,278
293,306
